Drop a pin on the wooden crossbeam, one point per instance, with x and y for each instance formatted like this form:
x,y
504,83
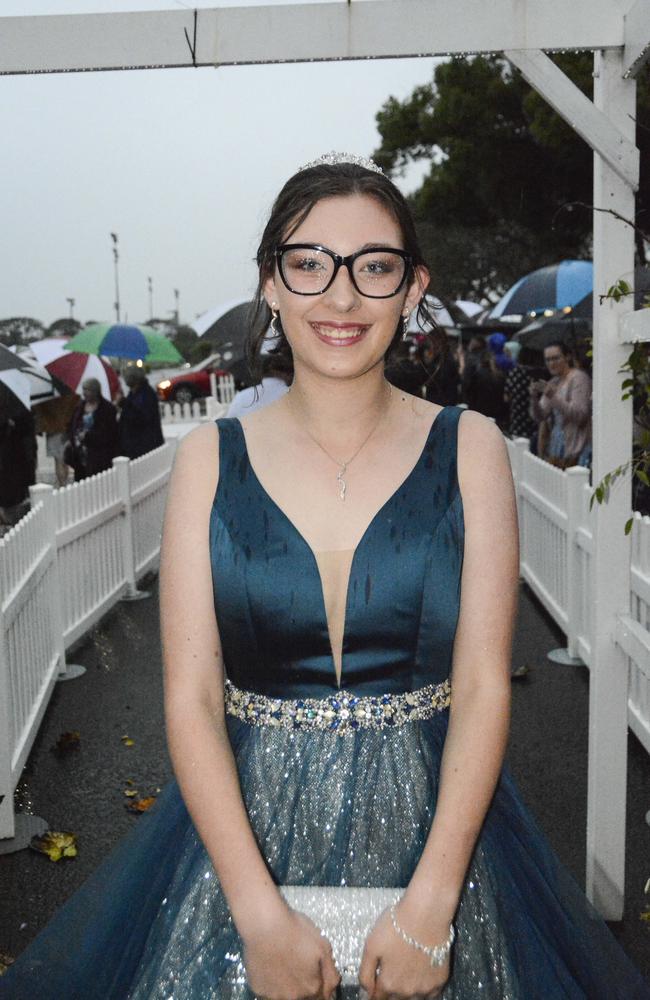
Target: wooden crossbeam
x,y
637,37
634,327
579,112
302,32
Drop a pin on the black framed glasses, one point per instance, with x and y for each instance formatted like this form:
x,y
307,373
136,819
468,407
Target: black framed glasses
x,y
310,269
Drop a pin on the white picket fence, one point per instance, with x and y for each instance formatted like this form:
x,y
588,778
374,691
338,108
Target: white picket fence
x,y
556,538
79,551
223,393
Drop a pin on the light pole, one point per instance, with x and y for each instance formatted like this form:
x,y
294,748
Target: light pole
x,y
71,304
176,298
116,258
150,287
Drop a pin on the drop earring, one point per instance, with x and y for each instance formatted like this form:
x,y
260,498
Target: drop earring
x,y
274,319
405,325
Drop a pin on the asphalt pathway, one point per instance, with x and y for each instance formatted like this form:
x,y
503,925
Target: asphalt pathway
x,y
120,695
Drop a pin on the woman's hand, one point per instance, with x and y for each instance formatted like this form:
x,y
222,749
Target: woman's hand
x,y
289,959
393,969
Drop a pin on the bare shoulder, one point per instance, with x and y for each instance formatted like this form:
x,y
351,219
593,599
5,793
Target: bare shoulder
x,y
420,412
196,464
482,454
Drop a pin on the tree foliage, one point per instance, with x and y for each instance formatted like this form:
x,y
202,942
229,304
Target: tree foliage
x,y
64,327
19,330
504,169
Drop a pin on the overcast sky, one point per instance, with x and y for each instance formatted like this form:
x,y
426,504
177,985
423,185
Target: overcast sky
x,y
181,164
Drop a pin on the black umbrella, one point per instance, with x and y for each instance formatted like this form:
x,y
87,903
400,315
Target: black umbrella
x,y
541,332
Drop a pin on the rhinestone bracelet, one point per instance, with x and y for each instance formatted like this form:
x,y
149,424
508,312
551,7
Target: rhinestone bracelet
x,y
438,954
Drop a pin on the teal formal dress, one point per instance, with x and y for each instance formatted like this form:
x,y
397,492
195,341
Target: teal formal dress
x,y
340,780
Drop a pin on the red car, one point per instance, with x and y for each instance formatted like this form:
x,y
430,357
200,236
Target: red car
x,y
192,383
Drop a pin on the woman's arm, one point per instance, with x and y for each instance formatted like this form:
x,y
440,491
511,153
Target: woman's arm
x,y
198,740
576,407
479,714
193,671
480,704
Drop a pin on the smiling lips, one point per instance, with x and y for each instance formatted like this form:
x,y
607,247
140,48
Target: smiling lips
x,y
339,334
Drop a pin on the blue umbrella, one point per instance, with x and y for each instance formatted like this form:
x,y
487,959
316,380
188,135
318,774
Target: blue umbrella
x,y
119,340
558,286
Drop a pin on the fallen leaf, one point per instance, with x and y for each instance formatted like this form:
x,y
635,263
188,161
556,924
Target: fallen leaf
x,y
129,781
127,741
67,742
5,962
56,844
141,805
131,792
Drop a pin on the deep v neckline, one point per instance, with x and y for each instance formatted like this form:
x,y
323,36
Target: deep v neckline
x,y
311,552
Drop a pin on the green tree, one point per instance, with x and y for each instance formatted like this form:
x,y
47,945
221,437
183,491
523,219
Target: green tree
x,y
20,330
505,174
64,327
184,339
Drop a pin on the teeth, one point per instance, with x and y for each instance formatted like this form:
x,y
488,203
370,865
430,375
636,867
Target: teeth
x,y
335,334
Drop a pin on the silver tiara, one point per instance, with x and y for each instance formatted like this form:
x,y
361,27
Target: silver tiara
x,y
332,159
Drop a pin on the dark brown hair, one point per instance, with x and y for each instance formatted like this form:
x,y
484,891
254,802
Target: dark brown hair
x,y
292,206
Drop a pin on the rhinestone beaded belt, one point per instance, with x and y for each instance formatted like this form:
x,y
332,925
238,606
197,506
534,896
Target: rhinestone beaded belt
x,y
340,713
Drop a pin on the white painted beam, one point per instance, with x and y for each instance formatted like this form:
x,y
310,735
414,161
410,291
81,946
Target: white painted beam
x,y
634,327
602,134
637,37
302,32
612,445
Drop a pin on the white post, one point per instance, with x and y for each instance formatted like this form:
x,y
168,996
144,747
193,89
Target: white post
x,y
519,448
40,493
612,419
211,407
121,466
577,477
7,823
213,386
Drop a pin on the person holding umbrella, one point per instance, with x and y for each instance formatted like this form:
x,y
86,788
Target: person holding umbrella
x,y
92,434
140,429
17,462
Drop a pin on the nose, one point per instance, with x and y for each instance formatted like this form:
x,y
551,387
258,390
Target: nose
x,y
342,295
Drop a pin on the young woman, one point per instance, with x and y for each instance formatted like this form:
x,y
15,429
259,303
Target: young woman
x,y
328,575
562,408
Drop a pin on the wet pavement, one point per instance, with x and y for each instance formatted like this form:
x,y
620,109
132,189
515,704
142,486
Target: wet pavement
x,y
120,695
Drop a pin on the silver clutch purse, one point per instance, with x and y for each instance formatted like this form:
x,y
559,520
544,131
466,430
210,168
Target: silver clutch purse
x,y
345,915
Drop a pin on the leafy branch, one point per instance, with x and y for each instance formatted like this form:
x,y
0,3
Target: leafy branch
x,y
635,386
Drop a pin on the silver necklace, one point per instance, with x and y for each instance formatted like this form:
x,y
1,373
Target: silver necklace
x,y
343,466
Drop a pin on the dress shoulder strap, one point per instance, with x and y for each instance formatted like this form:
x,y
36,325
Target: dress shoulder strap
x,y
232,446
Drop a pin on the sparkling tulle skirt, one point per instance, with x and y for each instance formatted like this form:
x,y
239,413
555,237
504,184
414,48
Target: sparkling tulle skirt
x,y
153,924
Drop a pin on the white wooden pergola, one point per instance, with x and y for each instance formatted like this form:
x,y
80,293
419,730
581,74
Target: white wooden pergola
x,y
618,32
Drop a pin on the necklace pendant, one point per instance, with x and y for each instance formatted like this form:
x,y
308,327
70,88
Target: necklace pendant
x,y
342,483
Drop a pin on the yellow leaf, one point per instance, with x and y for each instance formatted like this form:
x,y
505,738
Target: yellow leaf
x,y
645,916
130,792
56,844
141,805
127,741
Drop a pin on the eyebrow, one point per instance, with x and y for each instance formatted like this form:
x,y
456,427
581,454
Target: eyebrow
x,y
375,245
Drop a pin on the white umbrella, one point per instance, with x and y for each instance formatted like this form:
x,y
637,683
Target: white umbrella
x,y
74,368
18,383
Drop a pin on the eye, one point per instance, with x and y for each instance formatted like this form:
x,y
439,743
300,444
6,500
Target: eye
x,y
300,260
379,265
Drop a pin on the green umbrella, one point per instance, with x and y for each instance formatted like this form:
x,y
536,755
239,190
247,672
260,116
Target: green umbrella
x,y
120,340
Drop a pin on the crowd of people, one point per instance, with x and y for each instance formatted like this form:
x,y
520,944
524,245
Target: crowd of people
x,y
83,435
550,406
